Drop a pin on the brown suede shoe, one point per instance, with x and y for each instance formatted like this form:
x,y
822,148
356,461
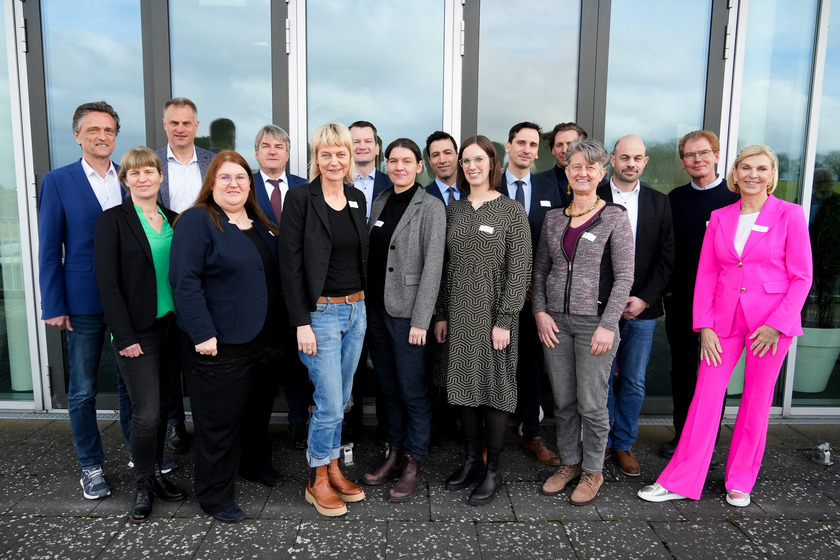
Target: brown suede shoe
x,y
557,482
537,448
587,489
409,482
345,489
627,462
320,494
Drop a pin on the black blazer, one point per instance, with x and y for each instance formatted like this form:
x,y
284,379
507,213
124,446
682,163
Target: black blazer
x,y
305,243
654,248
433,189
218,278
542,190
125,272
557,177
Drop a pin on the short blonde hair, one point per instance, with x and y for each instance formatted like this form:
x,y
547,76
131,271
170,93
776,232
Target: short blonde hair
x,y
331,134
749,151
138,157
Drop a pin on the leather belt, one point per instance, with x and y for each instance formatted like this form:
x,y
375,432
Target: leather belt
x,y
352,298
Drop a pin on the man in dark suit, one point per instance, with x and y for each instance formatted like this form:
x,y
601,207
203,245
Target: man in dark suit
x,y
442,154
71,199
368,179
538,195
649,213
272,183
184,167
558,141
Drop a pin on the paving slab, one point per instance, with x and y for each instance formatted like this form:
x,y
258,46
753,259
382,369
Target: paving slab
x,y
448,505
704,540
13,488
68,538
627,540
13,529
530,505
793,500
793,538
432,541
56,495
252,539
339,538
619,501
830,486
524,541
157,538
712,506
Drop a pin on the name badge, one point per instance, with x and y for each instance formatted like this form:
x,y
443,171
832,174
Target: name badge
x,y
378,223
485,229
353,203
762,229
545,203
588,236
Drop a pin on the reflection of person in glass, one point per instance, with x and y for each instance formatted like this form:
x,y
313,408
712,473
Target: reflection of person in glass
x,y
407,236
324,241
488,243
223,273
131,251
753,278
583,272
222,135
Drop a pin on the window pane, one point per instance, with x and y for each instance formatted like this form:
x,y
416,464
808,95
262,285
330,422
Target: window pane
x,y
92,52
360,65
658,106
776,85
528,67
15,370
817,375
221,59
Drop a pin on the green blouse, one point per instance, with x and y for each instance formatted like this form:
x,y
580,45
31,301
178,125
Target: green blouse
x,y
160,244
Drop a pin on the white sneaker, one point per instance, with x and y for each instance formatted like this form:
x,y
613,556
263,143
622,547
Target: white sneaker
x,y
658,493
737,498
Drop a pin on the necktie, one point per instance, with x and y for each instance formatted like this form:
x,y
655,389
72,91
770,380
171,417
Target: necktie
x,y
276,198
451,198
520,192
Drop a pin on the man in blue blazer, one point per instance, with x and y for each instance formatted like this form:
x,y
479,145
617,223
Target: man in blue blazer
x,y
538,195
442,154
558,140
368,179
649,213
70,201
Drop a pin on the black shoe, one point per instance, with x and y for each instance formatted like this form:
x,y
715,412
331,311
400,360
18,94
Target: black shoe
x,y
177,438
667,450
298,434
715,463
472,467
231,515
269,478
490,485
165,490
141,510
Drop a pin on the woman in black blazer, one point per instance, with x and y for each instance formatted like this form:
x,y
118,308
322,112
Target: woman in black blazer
x,y
131,252
224,276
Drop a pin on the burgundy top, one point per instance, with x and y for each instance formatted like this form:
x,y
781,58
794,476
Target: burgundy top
x,y
573,233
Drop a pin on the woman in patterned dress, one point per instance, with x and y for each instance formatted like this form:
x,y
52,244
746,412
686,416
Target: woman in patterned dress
x,y
486,274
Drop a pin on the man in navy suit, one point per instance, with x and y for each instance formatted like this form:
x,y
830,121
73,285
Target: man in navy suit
x,y
442,153
538,195
649,213
71,199
558,140
368,179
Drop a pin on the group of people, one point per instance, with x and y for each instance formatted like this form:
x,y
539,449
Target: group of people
x,y
482,281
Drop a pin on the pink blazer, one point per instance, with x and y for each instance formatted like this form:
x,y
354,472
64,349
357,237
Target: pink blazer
x,y
770,279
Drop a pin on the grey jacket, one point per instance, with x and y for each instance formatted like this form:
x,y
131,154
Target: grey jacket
x,y
415,265
204,158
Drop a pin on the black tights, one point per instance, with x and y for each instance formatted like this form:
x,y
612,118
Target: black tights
x,y
495,425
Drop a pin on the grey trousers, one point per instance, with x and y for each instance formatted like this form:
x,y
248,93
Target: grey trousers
x,y
579,383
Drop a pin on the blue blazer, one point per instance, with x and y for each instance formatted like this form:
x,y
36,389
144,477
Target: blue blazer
x,y
381,181
544,196
432,189
67,211
262,195
204,158
218,278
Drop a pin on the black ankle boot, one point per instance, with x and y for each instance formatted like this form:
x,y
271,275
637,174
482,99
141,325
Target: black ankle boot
x,y
472,467
490,484
165,490
141,510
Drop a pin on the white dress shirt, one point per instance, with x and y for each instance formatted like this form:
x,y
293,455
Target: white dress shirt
x,y
184,181
107,189
630,201
269,188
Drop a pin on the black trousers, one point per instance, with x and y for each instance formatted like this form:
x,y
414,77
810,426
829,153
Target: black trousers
x,y
529,374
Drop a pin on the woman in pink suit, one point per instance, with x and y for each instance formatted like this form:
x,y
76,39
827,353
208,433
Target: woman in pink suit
x,y
753,278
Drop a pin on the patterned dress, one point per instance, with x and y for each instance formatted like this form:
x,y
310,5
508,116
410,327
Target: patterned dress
x,y
486,276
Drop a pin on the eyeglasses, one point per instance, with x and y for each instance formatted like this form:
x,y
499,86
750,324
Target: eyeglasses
x,y
479,161
702,154
226,180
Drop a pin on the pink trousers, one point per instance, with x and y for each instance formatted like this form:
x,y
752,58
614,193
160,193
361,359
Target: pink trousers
x,y
686,472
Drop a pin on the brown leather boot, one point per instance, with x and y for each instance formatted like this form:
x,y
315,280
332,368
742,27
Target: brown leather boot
x,y
409,482
320,494
346,490
388,470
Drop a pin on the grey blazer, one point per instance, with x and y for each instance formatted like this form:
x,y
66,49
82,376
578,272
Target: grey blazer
x,y
411,289
204,158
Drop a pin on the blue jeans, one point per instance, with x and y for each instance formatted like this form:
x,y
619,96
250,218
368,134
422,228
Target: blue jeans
x,y
84,348
339,335
401,370
631,361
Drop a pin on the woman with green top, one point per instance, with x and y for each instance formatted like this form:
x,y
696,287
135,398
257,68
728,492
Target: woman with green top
x,y
131,252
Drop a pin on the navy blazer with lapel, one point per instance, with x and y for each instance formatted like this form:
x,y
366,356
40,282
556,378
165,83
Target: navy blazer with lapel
x,y
557,176
433,189
218,278
125,272
306,243
67,212
541,190
654,248
263,198
381,181
204,158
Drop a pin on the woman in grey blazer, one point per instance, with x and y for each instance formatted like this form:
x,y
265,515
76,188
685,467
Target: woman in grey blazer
x,y
407,237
